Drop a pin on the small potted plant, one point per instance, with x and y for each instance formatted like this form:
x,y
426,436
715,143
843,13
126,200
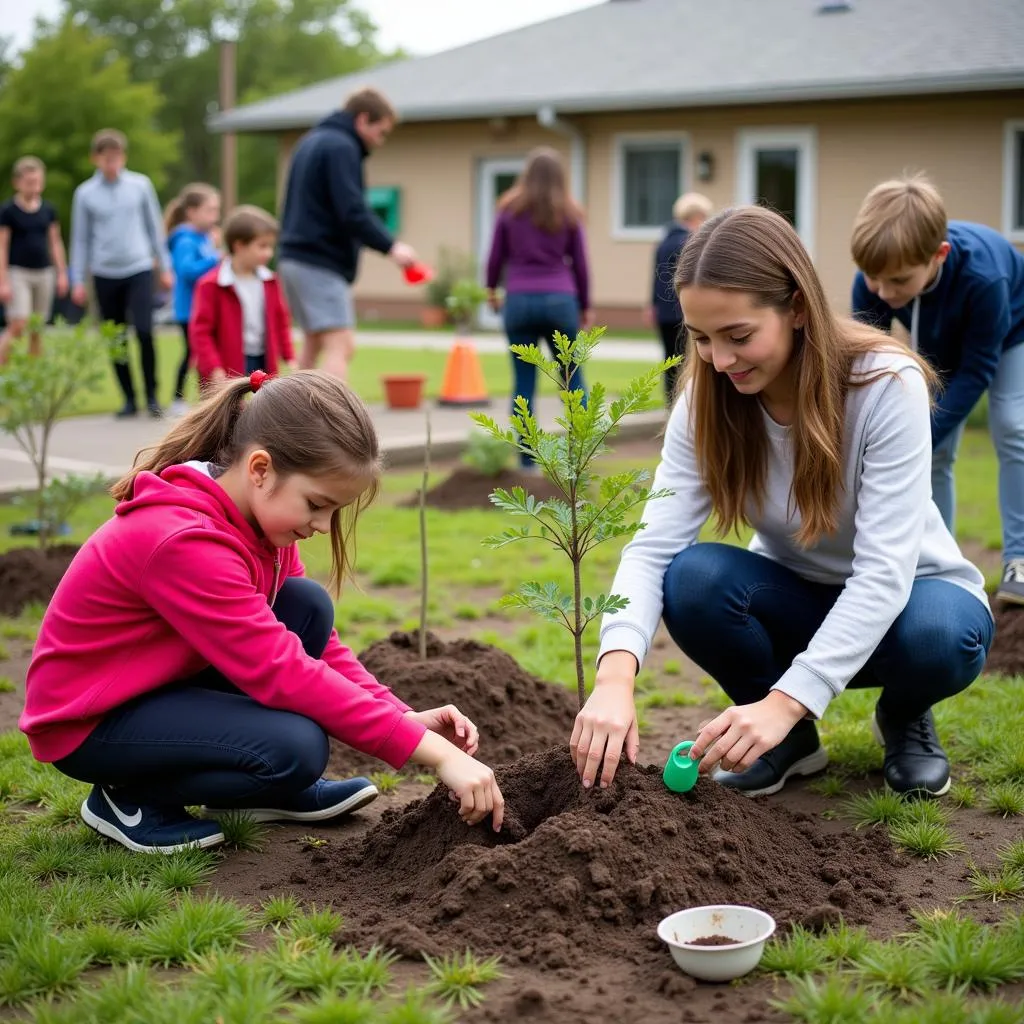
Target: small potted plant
x,y
464,300
451,265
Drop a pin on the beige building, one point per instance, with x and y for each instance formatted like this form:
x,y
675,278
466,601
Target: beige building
x,y
801,104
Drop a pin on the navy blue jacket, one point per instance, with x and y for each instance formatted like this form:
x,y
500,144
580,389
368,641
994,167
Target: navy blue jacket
x,y
973,314
326,220
663,295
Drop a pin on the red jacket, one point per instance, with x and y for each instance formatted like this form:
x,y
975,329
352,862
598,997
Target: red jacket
x,y
215,326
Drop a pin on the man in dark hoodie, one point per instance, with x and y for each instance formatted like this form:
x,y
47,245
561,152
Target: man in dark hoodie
x,y
326,221
688,213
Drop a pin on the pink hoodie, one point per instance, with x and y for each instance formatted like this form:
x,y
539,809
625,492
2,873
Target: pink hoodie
x,y
176,581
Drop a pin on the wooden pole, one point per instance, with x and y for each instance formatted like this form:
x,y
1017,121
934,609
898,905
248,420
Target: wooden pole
x,y
228,141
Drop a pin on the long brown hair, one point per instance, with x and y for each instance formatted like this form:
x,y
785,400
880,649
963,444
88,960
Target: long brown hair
x,y
542,192
191,197
753,250
308,422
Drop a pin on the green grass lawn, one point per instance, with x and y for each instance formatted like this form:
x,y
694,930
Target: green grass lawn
x,y
364,376
90,933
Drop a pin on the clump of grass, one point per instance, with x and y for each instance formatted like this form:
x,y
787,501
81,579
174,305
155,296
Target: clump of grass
x,y
41,964
242,989
55,854
183,870
1012,855
672,667
457,980
75,901
468,612
193,927
960,952
414,1009
876,807
134,904
837,1000
242,831
1005,799
333,1009
843,944
829,786
114,863
316,924
279,910
6,683
963,794
425,779
896,966
1004,884
386,782
799,953
106,944
927,839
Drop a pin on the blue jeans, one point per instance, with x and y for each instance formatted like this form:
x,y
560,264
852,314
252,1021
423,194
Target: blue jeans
x,y
530,316
203,741
1006,424
744,618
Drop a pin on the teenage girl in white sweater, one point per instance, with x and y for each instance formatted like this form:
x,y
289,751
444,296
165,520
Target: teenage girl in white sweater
x,y
814,431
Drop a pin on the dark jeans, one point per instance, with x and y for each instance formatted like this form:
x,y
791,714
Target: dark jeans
x,y
117,297
254,363
203,741
672,340
530,316
184,365
744,618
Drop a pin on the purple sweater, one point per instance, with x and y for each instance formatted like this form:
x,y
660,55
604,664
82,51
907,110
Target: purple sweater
x,y
534,260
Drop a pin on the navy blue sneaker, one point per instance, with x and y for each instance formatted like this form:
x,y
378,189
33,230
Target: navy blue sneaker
x,y
325,800
147,829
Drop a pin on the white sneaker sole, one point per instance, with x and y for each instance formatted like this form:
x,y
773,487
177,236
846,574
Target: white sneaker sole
x,y
105,828
809,765
1007,598
880,740
365,796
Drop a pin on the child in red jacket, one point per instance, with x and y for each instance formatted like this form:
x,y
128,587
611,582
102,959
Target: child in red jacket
x,y
239,321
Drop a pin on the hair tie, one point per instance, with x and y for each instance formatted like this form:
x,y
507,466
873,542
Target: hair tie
x,y
257,379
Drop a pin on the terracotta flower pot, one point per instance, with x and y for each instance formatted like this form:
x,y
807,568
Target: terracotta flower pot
x,y
403,390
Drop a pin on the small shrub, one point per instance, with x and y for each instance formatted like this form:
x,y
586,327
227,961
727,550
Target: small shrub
x,y
486,454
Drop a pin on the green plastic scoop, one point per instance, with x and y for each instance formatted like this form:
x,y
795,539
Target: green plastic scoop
x,y
680,773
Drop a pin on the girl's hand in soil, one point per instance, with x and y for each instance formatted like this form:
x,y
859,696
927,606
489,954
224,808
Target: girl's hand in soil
x,y
742,733
452,724
473,787
607,723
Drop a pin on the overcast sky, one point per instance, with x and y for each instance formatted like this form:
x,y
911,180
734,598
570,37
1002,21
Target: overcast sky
x,y
421,26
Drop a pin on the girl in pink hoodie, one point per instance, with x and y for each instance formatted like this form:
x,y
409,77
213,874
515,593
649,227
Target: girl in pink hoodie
x,y
186,658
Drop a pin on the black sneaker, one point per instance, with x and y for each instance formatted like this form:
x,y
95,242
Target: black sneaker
x,y
800,753
155,412
325,800
126,412
915,762
1011,589
147,829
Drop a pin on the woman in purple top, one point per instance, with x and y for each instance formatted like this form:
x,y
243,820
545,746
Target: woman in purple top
x,y
539,248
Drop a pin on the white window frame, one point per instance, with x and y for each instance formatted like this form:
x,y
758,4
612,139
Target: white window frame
x,y
802,139
1014,232
620,143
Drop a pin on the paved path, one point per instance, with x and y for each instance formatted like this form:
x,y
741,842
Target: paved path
x,y
87,445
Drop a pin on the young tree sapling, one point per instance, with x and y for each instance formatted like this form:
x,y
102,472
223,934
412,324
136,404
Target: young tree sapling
x,y
592,509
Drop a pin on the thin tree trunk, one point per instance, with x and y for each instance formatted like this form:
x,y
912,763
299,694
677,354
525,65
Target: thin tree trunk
x,y
423,545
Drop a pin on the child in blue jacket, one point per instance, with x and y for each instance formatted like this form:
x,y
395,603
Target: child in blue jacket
x,y
958,289
190,220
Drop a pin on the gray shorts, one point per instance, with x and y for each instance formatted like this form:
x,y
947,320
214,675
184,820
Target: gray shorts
x,y
319,299
31,292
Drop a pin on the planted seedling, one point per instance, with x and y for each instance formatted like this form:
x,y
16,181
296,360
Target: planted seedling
x,y
1006,799
878,807
183,870
386,782
837,1000
1012,855
316,923
963,794
1004,884
280,910
591,510
829,786
458,980
927,839
898,967
242,831
799,953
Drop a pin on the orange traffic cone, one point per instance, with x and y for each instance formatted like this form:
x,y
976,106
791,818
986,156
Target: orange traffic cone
x,y
463,382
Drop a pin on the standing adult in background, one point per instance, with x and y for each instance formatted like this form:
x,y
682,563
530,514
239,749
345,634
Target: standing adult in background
x,y
540,250
326,221
688,213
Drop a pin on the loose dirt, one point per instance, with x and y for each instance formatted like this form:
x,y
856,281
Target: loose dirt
x,y
30,575
468,488
1007,654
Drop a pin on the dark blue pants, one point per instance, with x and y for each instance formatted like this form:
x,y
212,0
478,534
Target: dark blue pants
x,y
203,741
744,618
530,316
119,298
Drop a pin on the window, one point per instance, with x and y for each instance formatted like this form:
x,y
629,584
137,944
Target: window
x,y
648,179
1013,181
386,203
777,170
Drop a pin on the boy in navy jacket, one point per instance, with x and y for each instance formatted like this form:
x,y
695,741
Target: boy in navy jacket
x,y
958,289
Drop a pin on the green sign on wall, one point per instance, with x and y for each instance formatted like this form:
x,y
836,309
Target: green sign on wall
x,y
386,203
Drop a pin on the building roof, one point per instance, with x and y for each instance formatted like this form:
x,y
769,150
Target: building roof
x,y
648,54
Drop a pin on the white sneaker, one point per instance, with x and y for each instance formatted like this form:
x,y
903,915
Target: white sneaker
x,y
178,407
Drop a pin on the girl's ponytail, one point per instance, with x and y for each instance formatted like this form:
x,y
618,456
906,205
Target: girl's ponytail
x,y
204,434
174,214
189,198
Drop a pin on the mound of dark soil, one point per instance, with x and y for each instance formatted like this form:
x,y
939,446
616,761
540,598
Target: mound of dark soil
x,y
581,878
31,575
469,488
1007,654
515,712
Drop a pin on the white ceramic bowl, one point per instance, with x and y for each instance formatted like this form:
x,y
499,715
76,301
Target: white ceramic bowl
x,y
750,928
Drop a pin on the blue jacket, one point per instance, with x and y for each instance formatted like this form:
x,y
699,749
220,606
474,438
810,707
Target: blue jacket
x,y
326,219
972,314
663,295
192,255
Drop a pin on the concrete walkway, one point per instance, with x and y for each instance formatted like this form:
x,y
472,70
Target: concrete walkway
x,y
86,445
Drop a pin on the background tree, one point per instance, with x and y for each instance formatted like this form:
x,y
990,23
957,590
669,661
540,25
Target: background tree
x,y
63,88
